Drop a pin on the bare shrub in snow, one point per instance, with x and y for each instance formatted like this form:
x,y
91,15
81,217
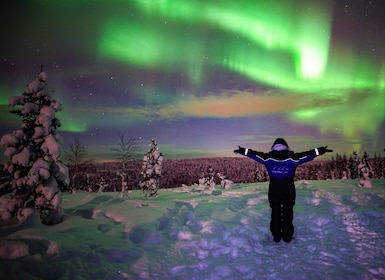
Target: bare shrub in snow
x,y
126,150
76,155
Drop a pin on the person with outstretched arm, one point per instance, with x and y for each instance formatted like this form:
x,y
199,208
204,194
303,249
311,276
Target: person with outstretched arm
x,y
281,164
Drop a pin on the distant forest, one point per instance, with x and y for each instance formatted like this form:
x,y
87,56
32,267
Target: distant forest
x,y
178,172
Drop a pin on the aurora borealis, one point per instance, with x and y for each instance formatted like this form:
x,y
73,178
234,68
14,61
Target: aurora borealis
x,y
203,76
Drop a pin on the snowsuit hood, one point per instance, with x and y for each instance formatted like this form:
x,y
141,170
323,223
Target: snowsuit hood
x,y
279,144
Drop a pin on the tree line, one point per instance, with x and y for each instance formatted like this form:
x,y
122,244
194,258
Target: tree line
x,y
178,172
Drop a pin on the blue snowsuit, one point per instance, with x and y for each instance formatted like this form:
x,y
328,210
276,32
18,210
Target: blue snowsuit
x,y
281,164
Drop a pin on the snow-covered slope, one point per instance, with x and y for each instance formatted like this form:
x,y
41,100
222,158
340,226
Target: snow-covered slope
x,y
184,234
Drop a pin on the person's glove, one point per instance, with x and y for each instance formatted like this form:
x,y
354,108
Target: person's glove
x,y
240,150
323,150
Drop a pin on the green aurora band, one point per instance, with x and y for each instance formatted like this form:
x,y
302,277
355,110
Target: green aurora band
x,y
282,45
275,26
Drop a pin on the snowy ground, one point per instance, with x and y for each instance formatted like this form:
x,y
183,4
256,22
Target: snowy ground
x,y
340,234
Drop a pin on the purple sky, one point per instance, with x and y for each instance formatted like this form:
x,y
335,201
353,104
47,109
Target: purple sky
x,y
202,77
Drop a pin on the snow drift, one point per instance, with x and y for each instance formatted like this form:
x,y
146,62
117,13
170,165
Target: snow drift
x,y
187,234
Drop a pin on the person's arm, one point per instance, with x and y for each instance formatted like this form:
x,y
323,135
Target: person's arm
x,y
311,154
255,155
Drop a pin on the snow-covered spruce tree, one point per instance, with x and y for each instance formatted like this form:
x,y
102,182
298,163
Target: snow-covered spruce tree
x,y
152,168
34,151
365,171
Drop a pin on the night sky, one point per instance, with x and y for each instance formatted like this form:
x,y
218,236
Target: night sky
x,y
202,77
